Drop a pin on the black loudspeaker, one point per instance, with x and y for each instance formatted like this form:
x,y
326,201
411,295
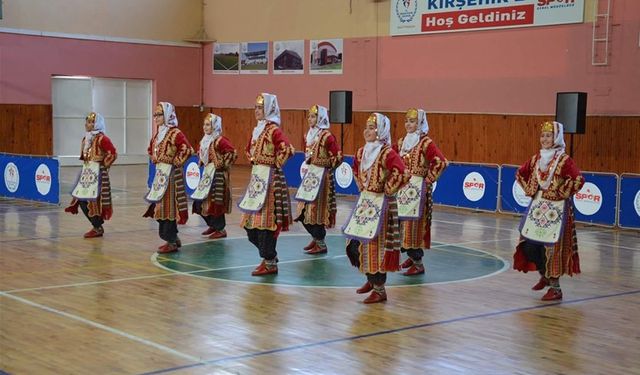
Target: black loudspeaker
x,y
340,107
571,111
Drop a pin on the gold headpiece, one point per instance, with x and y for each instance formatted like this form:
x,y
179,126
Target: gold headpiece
x,y
373,119
412,113
314,109
91,116
211,117
260,100
546,126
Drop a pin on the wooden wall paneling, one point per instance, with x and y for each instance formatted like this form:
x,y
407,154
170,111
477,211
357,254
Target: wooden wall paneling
x,y
190,121
609,145
26,129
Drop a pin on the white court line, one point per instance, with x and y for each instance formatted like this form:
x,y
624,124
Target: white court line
x,y
86,283
596,244
473,225
105,328
471,242
505,266
173,272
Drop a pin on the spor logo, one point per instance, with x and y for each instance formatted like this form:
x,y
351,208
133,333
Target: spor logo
x,y
43,179
636,203
473,186
589,199
193,175
344,175
11,177
406,10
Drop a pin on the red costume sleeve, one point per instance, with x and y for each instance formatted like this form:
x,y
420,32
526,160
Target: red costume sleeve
x,y
437,162
356,168
573,179
524,173
334,150
284,149
229,154
110,154
150,148
184,150
396,146
397,178
82,149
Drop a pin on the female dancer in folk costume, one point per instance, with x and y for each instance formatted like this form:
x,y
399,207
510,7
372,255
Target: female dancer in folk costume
x,y
266,203
169,146
379,170
217,150
322,151
426,162
96,147
554,176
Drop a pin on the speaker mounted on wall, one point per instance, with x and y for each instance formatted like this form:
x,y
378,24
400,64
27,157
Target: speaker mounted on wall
x,y
571,111
340,108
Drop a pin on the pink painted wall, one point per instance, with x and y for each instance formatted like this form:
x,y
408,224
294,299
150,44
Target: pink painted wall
x,y
495,71
28,62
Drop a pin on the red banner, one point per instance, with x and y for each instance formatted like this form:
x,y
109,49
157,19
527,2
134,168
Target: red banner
x,y
478,18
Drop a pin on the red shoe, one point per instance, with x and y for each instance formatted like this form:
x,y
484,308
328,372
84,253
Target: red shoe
x,y
168,248
316,250
366,288
407,263
163,246
262,270
310,246
93,233
376,297
414,270
208,231
542,283
552,295
218,234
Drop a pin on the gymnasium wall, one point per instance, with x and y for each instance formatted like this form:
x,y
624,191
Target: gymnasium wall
x,y
27,63
168,20
509,71
483,89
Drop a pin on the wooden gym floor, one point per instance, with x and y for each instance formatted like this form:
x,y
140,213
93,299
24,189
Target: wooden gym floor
x,y
70,305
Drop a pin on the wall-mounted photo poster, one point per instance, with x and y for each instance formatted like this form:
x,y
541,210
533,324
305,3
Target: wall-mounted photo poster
x,y
254,58
326,56
288,57
226,58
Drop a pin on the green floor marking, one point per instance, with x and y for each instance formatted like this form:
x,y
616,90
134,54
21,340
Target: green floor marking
x,y
235,258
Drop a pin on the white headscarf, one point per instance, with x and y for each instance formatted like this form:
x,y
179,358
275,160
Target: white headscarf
x,y
411,140
205,142
271,114
98,127
321,123
372,149
170,121
553,153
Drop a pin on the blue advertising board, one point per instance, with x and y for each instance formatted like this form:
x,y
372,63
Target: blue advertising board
x,y
597,201
468,185
33,178
629,211
512,196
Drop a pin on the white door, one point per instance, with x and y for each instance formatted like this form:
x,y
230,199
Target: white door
x,y
125,105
